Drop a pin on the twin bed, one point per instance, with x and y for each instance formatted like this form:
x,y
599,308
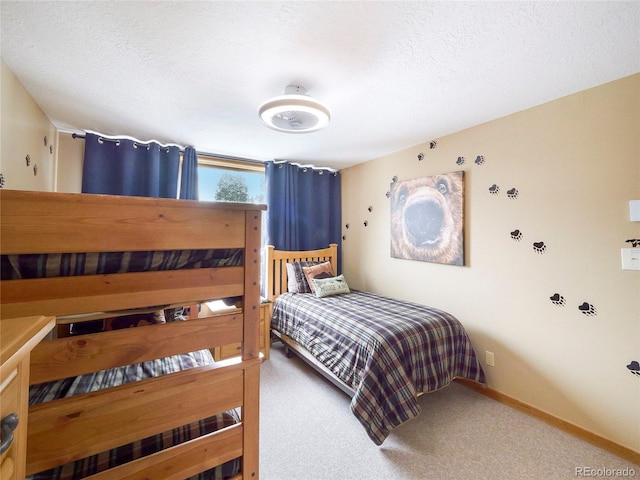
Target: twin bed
x,y
143,402
382,352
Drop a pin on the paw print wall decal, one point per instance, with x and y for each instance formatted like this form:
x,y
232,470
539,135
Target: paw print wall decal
x,y
433,144
420,156
370,208
539,247
1,180
460,161
393,180
588,309
634,367
27,159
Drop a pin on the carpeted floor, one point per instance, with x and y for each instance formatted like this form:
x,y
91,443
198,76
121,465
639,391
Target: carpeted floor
x,y
307,432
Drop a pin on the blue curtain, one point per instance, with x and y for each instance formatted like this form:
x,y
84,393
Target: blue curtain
x,y
303,207
189,178
128,167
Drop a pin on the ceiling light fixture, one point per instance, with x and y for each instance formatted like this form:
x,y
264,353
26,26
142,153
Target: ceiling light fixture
x,y
294,112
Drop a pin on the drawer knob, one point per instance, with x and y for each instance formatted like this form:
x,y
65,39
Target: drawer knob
x,y
8,425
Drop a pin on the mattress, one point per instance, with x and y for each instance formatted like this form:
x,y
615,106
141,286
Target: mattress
x,y
117,376
43,265
388,351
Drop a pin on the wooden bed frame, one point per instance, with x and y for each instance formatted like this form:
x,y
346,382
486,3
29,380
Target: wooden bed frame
x,y
277,284
278,259
68,429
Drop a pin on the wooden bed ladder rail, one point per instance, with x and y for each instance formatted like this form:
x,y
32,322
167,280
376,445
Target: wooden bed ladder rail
x,y
251,348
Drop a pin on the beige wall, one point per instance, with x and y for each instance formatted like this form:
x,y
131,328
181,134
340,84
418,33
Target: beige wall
x,y
23,128
575,163
70,159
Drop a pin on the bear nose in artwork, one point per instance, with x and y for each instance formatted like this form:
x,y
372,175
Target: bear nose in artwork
x,y
423,220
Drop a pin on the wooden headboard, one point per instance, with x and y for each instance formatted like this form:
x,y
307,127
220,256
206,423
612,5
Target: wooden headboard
x,y
278,259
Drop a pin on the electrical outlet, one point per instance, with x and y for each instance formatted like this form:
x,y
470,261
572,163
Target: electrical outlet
x,y
490,358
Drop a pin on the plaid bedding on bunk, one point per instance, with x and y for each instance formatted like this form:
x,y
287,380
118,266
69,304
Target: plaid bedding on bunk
x,y
72,264
117,376
387,350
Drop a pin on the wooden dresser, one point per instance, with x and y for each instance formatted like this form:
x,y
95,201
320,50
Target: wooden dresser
x,y
234,349
18,336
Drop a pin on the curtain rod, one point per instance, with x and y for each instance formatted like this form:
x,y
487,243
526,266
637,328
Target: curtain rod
x,y
201,154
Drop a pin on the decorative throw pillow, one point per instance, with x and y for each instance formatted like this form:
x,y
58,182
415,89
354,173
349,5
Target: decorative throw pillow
x,y
322,270
330,286
296,281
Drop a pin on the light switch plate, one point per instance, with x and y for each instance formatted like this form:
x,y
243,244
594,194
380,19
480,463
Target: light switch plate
x,y
630,258
634,210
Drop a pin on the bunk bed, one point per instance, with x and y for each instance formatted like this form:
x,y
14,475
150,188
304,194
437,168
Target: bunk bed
x,y
382,352
83,257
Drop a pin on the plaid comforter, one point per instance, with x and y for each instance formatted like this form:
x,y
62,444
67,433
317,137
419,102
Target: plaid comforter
x,y
387,350
117,376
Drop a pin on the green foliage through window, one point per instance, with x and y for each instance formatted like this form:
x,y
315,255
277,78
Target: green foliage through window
x,y
226,185
232,188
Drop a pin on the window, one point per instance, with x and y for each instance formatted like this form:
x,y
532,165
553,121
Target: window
x,y
221,180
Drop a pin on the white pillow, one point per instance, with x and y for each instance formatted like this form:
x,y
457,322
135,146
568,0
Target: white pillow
x,y
330,286
296,280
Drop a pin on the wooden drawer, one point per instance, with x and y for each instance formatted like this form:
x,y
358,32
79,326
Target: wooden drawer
x,y
10,396
234,349
230,350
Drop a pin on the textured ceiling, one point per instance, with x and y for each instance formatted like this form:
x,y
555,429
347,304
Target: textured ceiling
x,y
394,74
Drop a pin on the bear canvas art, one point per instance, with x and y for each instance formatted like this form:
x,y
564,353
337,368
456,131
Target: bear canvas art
x,y
427,219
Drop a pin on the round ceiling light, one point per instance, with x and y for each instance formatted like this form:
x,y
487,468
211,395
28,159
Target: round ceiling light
x,y
294,112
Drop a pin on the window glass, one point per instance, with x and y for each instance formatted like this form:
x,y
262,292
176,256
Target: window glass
x,y
219,184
